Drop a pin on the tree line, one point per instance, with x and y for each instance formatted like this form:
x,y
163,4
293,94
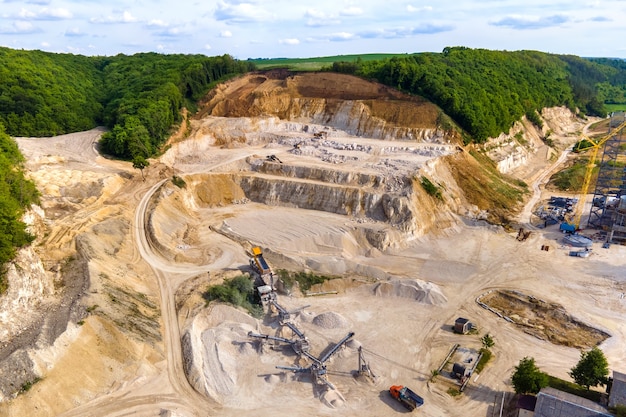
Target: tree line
x,y
138,97
486,91
16,195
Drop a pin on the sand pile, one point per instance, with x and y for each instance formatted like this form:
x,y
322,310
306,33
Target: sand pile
x,y
418,290
330,320
333,399
213,355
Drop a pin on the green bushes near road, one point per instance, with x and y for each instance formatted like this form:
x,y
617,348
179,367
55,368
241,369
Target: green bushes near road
x,y
305,280
238,291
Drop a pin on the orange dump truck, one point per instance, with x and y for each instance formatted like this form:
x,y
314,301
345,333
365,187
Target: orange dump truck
x,y
406,397
258,262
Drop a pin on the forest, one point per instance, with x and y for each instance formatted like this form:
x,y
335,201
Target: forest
x,y
486,91
138,98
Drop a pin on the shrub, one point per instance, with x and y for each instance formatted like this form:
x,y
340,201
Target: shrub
x,y
304,279
619,410
431,188
179,182
484,359
582,145
238,291
572,388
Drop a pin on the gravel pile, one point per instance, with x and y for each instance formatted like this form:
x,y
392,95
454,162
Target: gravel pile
x,y
420,291
330,320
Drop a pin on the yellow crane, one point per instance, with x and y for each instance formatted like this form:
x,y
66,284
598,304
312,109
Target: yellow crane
x,y
595,146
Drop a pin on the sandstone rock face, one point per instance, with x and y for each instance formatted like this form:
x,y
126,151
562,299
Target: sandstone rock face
x,y
525,141
348,103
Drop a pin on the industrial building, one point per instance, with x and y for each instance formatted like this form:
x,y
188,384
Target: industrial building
x,y
617,396
608,208
554,403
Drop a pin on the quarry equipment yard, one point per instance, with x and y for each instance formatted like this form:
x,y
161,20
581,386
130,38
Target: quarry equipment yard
x,y
105,317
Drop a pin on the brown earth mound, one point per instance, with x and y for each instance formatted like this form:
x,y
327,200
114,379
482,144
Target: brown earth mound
x,y
545,320
284,94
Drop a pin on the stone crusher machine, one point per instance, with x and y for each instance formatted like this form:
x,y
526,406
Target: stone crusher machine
x,y
318,365
406,397
300,345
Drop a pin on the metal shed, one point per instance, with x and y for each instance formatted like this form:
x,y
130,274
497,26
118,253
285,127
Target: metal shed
x,y
554,403
462,325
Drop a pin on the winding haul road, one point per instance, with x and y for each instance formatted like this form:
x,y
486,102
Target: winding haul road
x,y
169,391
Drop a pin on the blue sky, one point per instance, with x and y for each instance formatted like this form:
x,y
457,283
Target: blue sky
x,y
295,28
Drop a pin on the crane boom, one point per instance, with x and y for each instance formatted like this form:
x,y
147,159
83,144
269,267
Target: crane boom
x,y
596,144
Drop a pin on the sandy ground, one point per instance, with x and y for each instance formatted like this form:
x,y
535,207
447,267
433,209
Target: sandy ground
x,y
104,369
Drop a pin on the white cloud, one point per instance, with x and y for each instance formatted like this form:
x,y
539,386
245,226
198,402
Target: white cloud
x,y
352,11
73,32
317,18
207,46
241,12
226,34
124,17
316,14
341,36
289,41
45,14
531,22
157,23
173,32
412,9
20,27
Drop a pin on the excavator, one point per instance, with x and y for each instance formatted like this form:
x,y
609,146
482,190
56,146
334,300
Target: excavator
x,y
406,397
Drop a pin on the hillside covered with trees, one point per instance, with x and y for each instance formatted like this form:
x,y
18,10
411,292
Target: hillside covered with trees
x,y
137,97
486,91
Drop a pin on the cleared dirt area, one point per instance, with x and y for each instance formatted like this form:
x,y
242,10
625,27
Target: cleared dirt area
x,y
139,338
542,319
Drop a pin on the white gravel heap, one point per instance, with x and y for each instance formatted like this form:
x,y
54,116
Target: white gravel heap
x,y
418,290
330,320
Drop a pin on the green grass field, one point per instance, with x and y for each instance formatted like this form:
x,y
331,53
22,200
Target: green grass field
x,y
316,63
615,107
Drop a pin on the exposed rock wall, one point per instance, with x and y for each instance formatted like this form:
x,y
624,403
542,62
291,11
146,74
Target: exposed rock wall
x,y
344,102
524,141
339,199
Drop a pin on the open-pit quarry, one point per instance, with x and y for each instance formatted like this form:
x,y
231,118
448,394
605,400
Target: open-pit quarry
x,y
105,316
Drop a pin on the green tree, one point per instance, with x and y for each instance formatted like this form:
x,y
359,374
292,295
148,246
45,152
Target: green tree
x,y
139,162
487,341
592,369
528,378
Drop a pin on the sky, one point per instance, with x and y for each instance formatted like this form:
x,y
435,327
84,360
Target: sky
x,y
299,29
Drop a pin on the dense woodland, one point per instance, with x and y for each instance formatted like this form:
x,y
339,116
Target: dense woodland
x,y
486,91
139,99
